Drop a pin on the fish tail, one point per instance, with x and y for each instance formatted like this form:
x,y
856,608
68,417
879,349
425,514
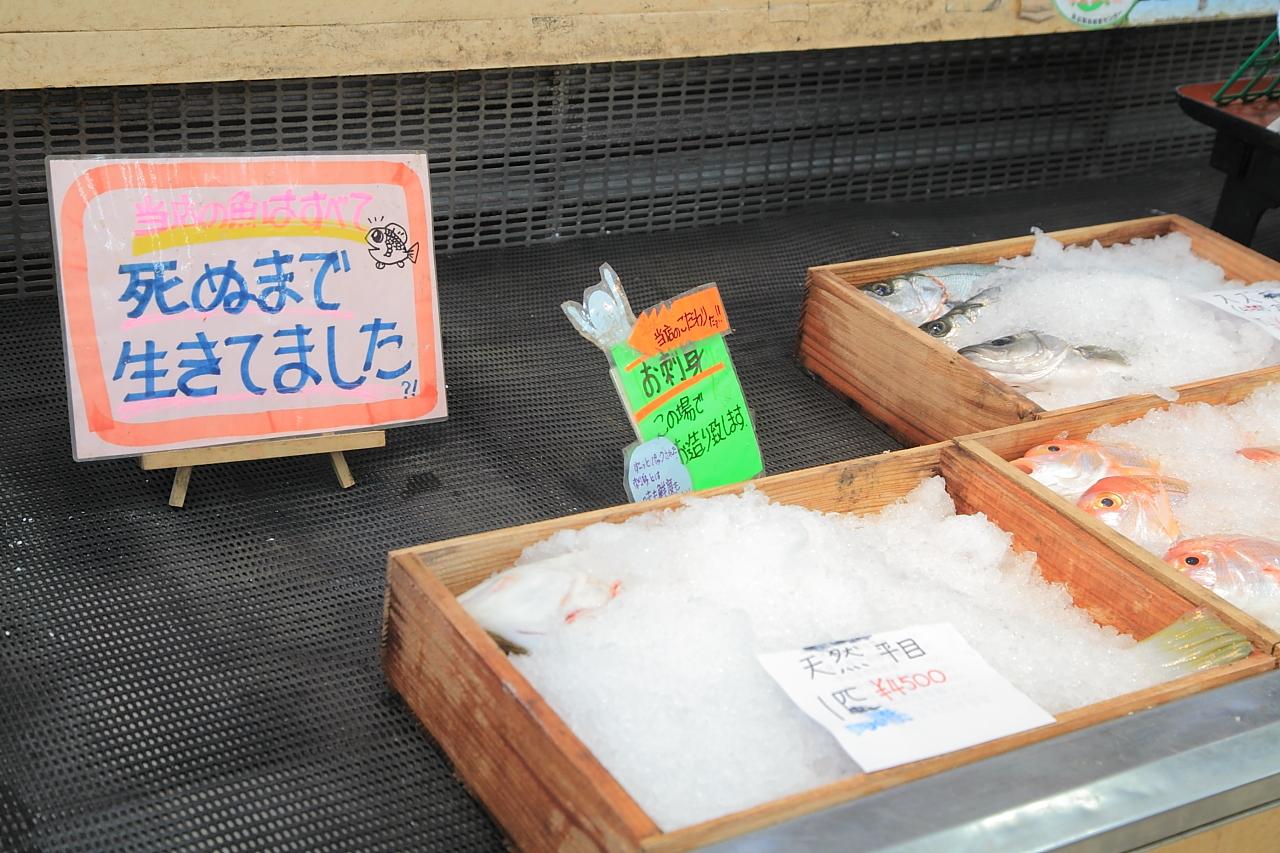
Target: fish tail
x,y
413,253
1196,642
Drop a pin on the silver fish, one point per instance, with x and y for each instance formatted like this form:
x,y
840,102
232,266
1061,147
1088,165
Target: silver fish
x,y
1030,359
925,294
961,314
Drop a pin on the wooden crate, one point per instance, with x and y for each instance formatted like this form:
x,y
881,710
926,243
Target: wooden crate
x,y
919,388
545,787
995,447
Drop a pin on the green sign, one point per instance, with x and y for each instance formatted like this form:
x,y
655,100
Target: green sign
x,y
692,396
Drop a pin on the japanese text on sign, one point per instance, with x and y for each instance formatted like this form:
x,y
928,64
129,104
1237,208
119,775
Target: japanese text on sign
x,y
216,299
692,397
1259,305
901,696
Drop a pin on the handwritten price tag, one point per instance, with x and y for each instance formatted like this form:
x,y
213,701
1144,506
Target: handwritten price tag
x,y
1259,305
901,696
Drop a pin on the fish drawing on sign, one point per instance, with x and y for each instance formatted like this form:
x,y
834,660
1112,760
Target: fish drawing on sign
x,y
389,244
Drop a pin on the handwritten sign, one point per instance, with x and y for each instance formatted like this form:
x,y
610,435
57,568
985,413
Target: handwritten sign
x,y
692,397
209,300
684,320
901,696
654,470
1259,305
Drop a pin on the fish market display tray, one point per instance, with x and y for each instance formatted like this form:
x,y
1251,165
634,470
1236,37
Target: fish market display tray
x,y
548,791
923,390
996,447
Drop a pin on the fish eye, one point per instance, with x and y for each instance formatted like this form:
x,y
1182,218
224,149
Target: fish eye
x,y
937,328
1191,561
1002,342
881,288
376,235
1053,448
1109,501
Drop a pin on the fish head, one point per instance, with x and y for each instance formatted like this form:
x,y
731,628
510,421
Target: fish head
x,y
915,297
1226,560
1018,358
941,328
945,326
1067,466
1198,559
386,245
1137,507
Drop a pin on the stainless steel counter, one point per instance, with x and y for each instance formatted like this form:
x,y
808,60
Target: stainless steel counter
x,y
1121,785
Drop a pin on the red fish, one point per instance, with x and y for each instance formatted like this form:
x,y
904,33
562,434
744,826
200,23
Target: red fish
x,y
1260,454
1217,561
1070,466
1137,506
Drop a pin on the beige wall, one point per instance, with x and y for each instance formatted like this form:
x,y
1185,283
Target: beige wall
x,y
94,42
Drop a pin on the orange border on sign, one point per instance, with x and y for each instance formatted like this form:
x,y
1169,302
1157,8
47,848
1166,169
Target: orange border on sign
x,y
74,273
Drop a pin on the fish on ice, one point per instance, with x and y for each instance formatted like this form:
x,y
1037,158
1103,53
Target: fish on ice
x,y
961,314
521,605
1226,561
1033,360
1139,507
926,294
1260,454
1069,466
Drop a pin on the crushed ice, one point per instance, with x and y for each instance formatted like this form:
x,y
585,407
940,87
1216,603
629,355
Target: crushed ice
x,y
1133,298
663,684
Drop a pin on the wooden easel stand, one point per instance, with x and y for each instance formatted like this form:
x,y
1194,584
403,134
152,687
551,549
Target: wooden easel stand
x,y
334,445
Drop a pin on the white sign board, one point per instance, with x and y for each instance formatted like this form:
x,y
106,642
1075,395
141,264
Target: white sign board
x,y
902,696
210,300
1259,305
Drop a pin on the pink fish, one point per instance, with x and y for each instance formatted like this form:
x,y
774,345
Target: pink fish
x,y
1137,506
1260,454
1070,466
523,604
1218,561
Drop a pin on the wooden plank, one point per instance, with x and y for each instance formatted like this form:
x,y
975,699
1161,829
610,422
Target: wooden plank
x,y
119,42
1237,261
509,747
271,449
854,787
178,492
860,485
1010,442
1126,602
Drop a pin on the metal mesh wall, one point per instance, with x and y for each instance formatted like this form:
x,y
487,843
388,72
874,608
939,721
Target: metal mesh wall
x,y
523,155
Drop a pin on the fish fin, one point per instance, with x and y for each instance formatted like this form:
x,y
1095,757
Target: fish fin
x,y
1176,489
1129,455
413,253
507,645
1102,354
1196,642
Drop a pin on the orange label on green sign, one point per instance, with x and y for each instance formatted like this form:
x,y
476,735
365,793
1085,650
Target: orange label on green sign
x,y
688,318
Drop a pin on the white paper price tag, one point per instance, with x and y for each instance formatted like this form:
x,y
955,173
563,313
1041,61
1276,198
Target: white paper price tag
x,y
901,696
1258,304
